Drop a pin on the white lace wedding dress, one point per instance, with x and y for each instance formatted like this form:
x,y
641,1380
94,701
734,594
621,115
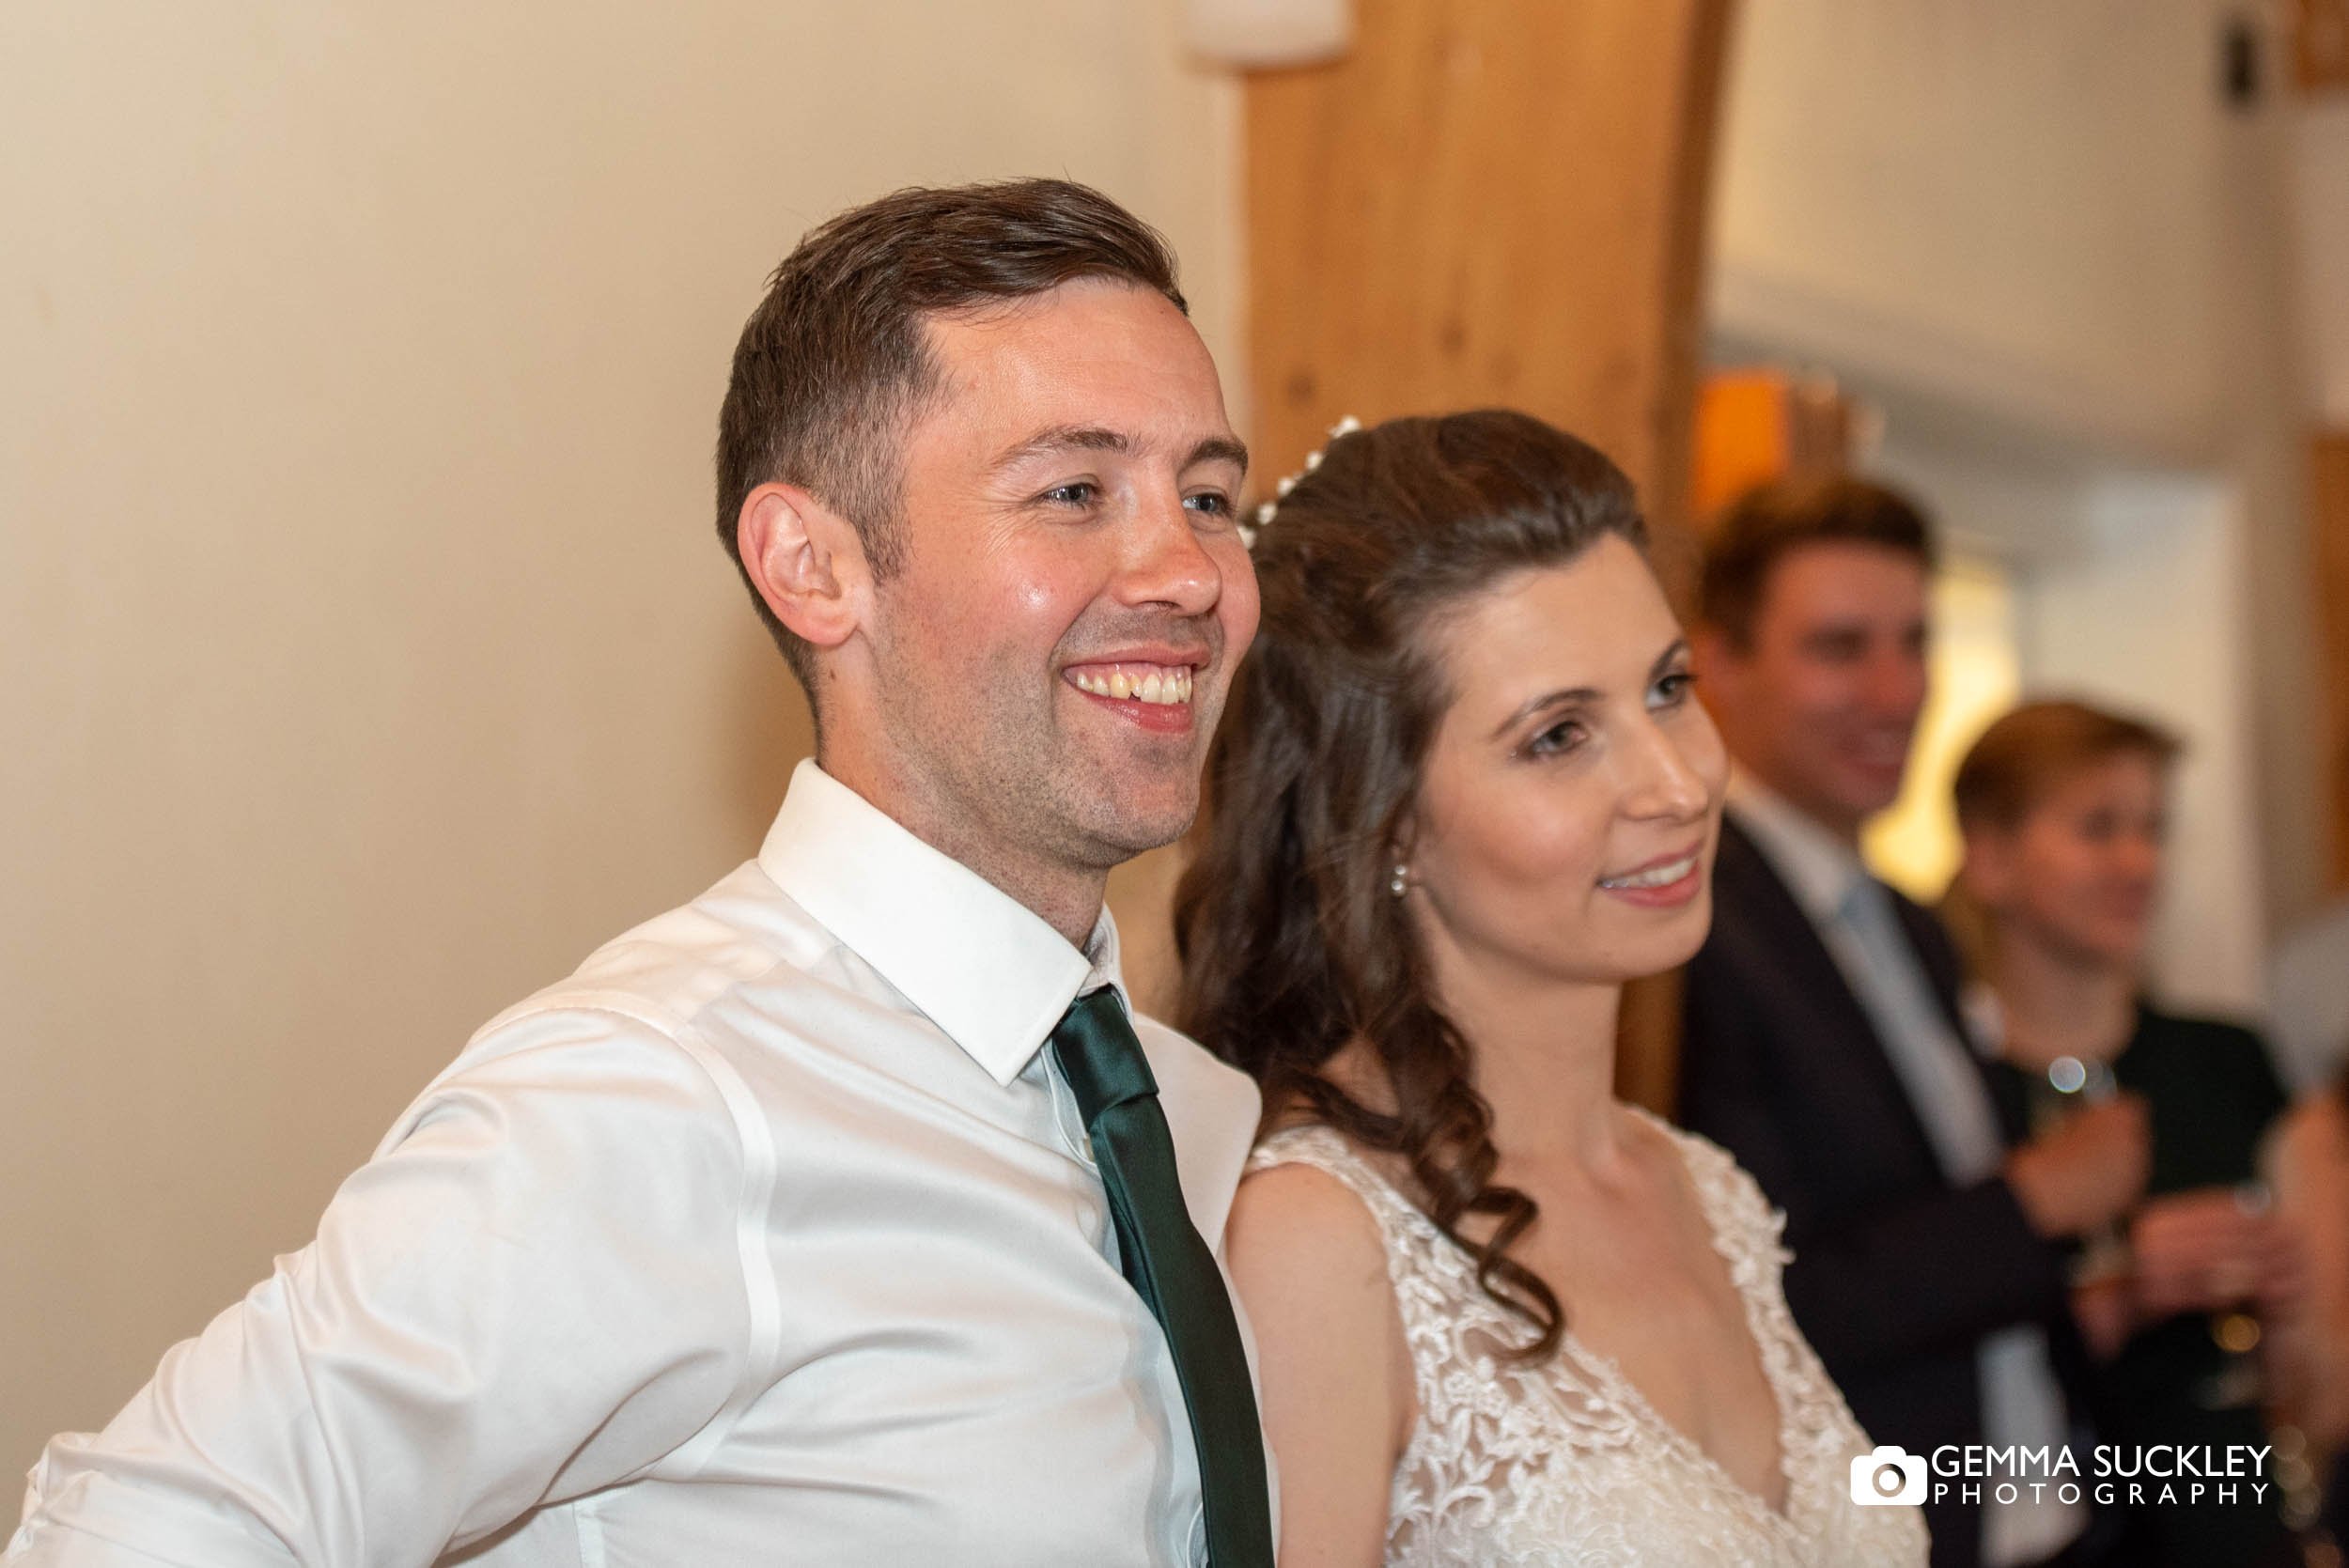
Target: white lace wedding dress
x,y
1562,1464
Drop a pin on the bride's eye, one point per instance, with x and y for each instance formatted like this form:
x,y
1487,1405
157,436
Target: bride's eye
x,y
1560,738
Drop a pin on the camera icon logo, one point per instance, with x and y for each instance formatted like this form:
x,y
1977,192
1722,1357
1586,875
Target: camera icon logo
x,y
1890,1476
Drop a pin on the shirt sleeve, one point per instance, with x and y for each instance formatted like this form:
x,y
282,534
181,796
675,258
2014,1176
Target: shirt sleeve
x,y
534,1289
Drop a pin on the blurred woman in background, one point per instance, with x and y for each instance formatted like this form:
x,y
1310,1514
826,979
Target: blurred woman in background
x,y
1463,793
2063,808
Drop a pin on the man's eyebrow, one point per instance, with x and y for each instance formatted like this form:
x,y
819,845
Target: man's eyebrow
x,y
1095,438
1838,631
1063,438
1219,449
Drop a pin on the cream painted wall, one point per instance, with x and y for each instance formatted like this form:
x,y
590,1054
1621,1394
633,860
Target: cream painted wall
x,y
2022,202
366,652
2036,237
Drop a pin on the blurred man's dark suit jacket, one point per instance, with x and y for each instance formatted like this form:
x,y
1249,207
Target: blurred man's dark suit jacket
x,y
1897,1274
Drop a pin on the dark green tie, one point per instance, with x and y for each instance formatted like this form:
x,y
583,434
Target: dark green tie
x,y
1170,1269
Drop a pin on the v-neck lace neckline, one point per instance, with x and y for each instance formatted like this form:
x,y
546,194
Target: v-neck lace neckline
x,y
1567,1458
1605,1370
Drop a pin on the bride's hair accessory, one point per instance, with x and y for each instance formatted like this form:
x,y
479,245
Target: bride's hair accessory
x,y
1266,510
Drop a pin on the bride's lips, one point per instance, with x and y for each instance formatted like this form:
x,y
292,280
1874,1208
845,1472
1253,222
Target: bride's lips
x,y
1665,882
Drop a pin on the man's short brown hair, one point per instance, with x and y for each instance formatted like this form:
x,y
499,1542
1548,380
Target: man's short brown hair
x,y
834,365
1769,522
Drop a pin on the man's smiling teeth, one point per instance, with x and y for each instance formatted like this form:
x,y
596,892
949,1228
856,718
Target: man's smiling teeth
x,y
1162,684
1662,876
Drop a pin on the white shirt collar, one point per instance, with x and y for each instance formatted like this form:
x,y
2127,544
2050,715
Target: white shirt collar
x,y
1820,869
978,963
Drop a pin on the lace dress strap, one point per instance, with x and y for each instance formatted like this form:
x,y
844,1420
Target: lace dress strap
x,y
1416,1250
1747,1230
1490,1428
1326,1150
1562,1463
1816,1431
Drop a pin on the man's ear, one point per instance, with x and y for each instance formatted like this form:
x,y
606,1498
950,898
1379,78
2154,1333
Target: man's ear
x,y
806,561
1715,659
1708,650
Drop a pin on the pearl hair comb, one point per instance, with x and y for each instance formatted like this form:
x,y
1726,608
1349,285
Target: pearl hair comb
x,y
1266,511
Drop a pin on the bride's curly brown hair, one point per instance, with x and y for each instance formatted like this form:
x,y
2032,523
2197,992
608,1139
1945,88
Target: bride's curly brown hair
x,y
1291,944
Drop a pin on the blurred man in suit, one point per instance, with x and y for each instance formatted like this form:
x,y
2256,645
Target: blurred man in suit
x,y
1824,1046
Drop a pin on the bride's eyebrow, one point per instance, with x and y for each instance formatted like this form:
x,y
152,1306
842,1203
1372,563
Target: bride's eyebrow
x,y
1571,697
1577,696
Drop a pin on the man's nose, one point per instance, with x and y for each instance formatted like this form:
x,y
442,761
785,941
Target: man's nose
x,y
1166,564
1898,680
2140,856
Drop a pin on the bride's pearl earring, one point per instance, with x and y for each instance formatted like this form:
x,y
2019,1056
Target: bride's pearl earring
x,y
1400,882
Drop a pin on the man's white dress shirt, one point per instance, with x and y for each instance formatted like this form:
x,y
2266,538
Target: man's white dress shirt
x,y
2022,1401
769,1238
